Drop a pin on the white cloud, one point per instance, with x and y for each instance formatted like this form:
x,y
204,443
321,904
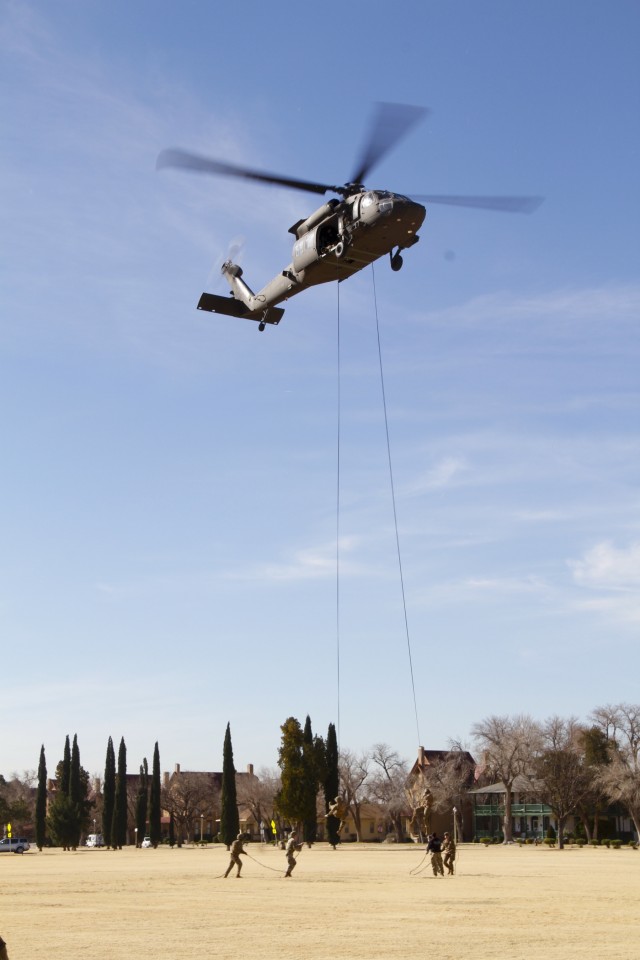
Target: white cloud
x,y
605,567
613,574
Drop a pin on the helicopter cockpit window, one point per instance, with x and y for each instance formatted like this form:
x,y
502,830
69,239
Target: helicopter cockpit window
x,y
368,199
385,202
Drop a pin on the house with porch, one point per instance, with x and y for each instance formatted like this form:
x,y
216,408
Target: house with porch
x,y
530,819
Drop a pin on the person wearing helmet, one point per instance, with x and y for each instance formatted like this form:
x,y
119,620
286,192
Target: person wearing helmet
x,y
236,850
292,847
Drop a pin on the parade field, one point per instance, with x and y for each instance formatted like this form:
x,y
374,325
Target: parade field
x,y
360,901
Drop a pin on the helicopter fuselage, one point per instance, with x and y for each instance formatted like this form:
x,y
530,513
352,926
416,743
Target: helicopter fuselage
x,y
336,241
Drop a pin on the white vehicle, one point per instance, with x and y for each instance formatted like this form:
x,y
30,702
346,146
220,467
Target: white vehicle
x,y
14,845
146,842
95,840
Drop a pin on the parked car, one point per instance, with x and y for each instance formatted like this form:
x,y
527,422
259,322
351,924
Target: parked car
x,y
95,840
146,842
14,845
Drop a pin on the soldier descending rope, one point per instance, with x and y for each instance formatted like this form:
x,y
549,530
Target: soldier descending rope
x,y
338,809
421,801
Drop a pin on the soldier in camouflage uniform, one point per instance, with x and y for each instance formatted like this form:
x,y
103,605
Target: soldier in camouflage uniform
x,y
236,852
291,848
449,850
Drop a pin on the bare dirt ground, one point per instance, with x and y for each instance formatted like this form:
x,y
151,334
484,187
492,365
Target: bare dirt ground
x,y
369,901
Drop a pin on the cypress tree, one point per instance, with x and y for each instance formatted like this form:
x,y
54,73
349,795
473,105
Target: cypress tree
x,y
64,777
142,801
75,786
109,794
41,801
331,784
119,829
155,806
311,757
229,818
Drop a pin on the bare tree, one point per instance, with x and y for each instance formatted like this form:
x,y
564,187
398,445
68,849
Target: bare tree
x,y
509,746
187,797
564,779
258,794
354,773
621,777
448,781
387,785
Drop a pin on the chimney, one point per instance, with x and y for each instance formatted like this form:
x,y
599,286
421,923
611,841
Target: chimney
x,y
250,769
421,756
177,769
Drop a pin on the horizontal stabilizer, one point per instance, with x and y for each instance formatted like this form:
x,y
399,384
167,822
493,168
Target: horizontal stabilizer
x,y
236,308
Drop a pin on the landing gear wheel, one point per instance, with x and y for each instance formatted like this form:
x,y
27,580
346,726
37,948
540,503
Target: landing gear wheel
x,y
396,262
261,326
340,249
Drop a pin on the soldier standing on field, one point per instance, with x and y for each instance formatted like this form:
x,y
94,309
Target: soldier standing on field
x,y
236,850
449,850
434,846
291,848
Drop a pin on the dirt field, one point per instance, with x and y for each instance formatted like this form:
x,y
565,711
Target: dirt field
x,y
357,902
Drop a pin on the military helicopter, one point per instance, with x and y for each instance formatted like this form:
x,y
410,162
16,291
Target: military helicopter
x,y
343,235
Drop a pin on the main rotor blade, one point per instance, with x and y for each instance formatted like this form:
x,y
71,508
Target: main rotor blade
x,y
390,122
192,161
504,204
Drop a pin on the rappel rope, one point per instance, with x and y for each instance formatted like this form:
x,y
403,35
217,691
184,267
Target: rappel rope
x,y
260,864
338,524
393,500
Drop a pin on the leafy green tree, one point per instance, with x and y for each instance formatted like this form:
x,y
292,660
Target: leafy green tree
x,y
229,817
108,793
331,785
41,802
69,810
291,800
142,800
62,822
155,806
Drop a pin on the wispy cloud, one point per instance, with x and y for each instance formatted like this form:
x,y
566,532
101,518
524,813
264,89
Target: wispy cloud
x,y
442,474
310,563
588,303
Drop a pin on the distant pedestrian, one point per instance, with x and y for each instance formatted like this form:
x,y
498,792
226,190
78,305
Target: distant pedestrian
x,y
434,847
3,950
449,850
236,850
291,849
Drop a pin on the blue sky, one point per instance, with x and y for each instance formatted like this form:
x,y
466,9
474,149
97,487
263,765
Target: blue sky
x,y
168,483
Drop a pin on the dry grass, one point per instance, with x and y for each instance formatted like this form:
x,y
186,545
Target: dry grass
x,y
506,903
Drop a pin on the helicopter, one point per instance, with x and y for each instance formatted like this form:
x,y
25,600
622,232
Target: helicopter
x,y
346,233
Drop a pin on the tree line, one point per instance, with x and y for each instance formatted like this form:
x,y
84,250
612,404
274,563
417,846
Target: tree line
x,y
577,769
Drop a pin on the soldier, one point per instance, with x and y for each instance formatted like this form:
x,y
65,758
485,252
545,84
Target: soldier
x,y
291,848
449,848
434,847
3,950
236,852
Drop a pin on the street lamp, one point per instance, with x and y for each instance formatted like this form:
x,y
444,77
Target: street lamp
x,y
455,826
136,833
202,828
